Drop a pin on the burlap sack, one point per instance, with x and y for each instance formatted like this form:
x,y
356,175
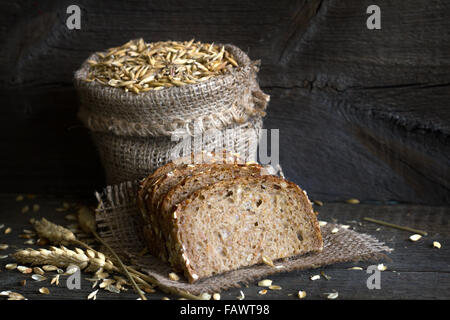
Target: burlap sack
x,y
128,158
119,223
133,131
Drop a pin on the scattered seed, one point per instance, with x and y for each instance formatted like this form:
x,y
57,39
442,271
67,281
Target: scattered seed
x,y
38,270
173,276
15,296
120,282
112,288
165,298
436,244
55,280
36,207
106,282
355,268
44,290
381,267
301,294
315,277
322,223
352,201
205,296
19,198
4,256
11,266
264,291
265,283
25,236
324,275
71,269
241,296
24,269
26,209
216,296
23,282
49,267
92,295
318,202
102,275
335,230
38,277
274,287
344,226
332,295
415,237
30,242
4,246
268,261
71,217
8,230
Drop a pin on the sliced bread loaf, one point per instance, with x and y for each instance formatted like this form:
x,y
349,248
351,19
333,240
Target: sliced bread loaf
x,y
213,173
171,179
235,223
150,188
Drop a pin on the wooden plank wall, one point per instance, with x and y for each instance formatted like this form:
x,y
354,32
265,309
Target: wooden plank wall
x,y
362,113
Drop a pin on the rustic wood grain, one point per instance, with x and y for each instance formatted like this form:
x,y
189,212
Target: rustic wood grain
x,y
362,113
415,269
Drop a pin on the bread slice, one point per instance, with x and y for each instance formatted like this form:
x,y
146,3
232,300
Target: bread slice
x,y
235,223
202,157
151,182
212,174
171,179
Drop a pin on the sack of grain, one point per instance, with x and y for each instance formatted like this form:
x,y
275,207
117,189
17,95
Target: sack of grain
x,y
139,98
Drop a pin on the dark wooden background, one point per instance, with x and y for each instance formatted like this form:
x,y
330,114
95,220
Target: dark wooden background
x,y
362,113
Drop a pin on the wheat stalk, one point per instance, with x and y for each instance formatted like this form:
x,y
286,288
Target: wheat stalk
x,y
53,232
89,260
86,220
60,257
59,235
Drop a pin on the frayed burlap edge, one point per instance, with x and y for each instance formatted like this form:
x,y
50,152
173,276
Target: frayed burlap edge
x,y
119,223
212,104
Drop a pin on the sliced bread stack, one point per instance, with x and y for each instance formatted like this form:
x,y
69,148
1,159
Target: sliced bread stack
x,y
223,214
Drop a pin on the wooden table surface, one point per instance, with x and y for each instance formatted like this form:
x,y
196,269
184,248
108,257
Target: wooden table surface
x,y
415,270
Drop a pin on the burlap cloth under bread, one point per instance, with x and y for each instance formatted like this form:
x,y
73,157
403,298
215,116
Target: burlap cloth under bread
x,y
119,224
